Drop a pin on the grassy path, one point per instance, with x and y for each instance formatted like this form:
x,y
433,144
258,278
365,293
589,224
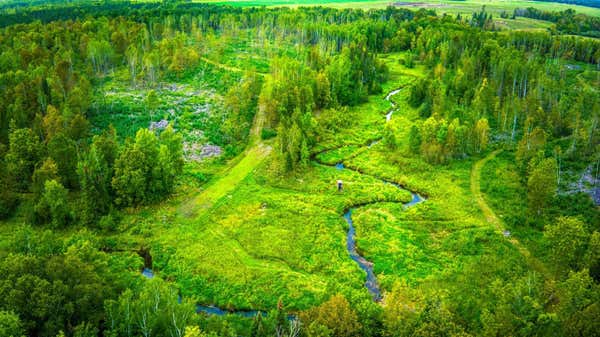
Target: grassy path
x,y
226,184
494,220
256,152
250,159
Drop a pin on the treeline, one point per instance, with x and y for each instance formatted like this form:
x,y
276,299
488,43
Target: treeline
x,y
45,136
567,21
101,175
484,86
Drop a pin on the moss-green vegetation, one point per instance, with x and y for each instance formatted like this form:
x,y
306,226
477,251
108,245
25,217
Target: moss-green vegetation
x,y
496,131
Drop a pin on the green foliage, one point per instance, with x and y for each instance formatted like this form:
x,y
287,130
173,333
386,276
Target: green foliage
x,y
389,137
567,241
541,185
193,331
10,325
267,133
518,307
53,207
8,198
63,151
94,178
241,100
579,303
252,235
52,293
334,317
154,310
146,167
48,171
23,153
414,139
530,145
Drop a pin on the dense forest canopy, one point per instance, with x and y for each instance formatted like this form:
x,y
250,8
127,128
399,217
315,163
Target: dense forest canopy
x,y
138,137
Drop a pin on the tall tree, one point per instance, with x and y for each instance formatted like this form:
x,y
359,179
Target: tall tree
x,y
541,185
567,240
24,152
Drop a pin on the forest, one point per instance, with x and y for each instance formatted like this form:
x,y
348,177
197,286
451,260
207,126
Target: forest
x,y
188,169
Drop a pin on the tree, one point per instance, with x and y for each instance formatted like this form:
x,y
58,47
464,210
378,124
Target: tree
x,y
23,154
63,151
8,198
94,179
389,137
414,139
436,320
53,207
336,315
59,291
101,54
579,304
48,171
147,167
566,239
531,143
241,101
323,91
131,173
154,310
10,325
401,313
53,122
541,185
173,142
132,62
79,127
108,145
592,258
151,103
482,134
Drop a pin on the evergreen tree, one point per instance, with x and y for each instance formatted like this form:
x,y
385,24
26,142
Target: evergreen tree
x,y
541,185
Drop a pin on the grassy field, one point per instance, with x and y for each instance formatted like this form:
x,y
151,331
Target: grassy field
x,y
451,7
252,236
442,6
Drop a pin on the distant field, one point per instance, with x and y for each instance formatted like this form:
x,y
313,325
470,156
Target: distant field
x,y
442,6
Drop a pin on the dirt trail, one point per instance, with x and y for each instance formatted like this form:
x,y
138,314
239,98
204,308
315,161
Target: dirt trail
x,y
494,220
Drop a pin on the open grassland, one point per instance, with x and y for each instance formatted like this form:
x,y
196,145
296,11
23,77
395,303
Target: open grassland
x,y
441,6
450,7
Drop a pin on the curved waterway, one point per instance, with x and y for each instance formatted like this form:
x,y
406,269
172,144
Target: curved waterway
x,y
388,116
371,280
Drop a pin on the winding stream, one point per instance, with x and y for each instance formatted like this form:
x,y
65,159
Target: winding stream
x,y
388,116
371,280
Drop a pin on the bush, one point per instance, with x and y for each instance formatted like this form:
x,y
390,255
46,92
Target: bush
x,y
267,133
